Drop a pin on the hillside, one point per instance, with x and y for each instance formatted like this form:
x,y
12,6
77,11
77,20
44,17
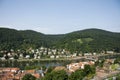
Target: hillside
x,y
10,38
84,40
91,40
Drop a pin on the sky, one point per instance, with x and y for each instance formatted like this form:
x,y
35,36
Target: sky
x,y
60,16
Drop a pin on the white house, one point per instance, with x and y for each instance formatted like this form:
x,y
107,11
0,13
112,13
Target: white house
x,y
57,56
27,56
110,52
52,56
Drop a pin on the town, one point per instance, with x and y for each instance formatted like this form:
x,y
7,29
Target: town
x,y
105,68
43,53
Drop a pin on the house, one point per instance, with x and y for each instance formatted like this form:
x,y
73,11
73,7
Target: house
x,y
109,61
27,56
57,68
2,58
21,55
10,69
57,56
75,66
52,56
9,54
109,52
94,53
40,72
42,48
15,70
87,54
35,56
49,53
6,69
29,71
36,75
11,58
16,73
33,51
74,55
45,53
39,57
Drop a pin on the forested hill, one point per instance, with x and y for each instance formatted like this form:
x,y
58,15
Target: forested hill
x,y
84,40
91,40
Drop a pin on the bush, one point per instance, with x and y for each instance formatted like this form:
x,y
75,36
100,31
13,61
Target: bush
x,y
29,77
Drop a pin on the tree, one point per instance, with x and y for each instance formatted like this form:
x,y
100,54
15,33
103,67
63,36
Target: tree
x,y
6,57
50,69
89,71
48,76
28,77
16,57
117,60
60,75
118,77
56,75
100,63
77,75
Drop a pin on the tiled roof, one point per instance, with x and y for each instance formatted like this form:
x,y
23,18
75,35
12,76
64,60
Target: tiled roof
x,y
36,75
30,71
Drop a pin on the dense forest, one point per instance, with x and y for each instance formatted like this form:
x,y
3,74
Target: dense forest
x,y
89,40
